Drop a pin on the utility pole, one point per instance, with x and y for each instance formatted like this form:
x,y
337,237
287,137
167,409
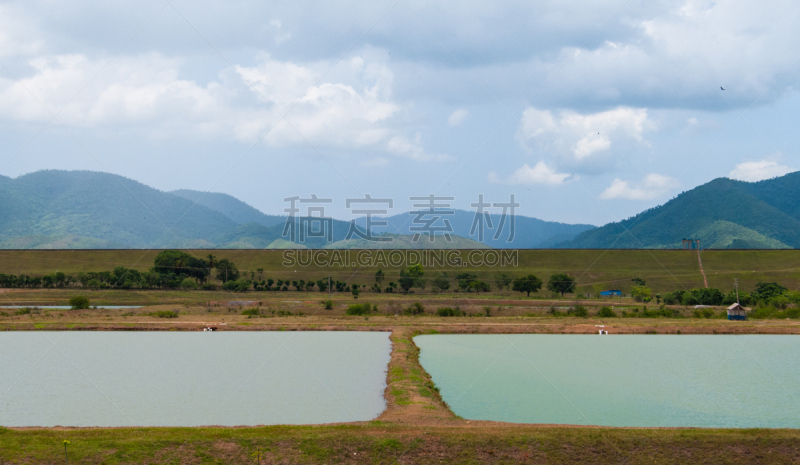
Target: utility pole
x,y
329,287
736,286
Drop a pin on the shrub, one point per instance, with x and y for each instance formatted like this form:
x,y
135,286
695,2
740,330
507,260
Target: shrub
x,y
780,301
703,296
661,312
165,314
23,311
188,283
703,313
415,309
237,286
606,312
251,311
447,311
579,311
328,304
674,298
793,313
79,302
360,309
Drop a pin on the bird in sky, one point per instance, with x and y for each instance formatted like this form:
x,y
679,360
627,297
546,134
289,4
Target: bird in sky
x,y
721,87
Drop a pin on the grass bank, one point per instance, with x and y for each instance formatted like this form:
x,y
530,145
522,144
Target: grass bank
x,y
379,442
595,270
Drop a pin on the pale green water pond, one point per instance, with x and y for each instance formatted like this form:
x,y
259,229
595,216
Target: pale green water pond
x,y
619,380
191,378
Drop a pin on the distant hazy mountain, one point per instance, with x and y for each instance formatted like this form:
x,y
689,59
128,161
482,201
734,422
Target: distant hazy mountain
x,y
407,242
83,209
238,211
529,233
722,213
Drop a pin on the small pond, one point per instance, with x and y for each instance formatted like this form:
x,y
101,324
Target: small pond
x,y
619,380
191,378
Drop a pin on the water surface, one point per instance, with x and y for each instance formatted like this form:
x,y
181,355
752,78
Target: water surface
x,y
647,380
191,378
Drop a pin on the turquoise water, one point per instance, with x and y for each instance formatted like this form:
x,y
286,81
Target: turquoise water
x,y
191,378
647,380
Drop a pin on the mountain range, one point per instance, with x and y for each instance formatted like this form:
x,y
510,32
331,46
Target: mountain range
x,y
84,209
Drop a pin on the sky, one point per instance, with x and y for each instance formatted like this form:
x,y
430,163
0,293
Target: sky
x,y
587,112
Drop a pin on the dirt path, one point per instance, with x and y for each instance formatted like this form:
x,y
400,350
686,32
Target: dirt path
x,y
411,396
700,261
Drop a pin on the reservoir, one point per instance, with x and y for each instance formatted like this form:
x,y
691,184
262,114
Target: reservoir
x,y
191,378
625,380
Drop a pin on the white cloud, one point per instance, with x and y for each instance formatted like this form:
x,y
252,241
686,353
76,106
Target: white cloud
x,y
351,108
652,186
576,137
457,117
753,171
539,174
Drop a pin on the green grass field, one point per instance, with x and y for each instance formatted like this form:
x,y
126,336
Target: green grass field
x,y
595,270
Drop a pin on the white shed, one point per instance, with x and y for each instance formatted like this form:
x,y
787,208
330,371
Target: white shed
x,y
737,312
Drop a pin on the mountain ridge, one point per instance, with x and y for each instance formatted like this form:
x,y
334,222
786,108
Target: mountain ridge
x,y
722,201
88,209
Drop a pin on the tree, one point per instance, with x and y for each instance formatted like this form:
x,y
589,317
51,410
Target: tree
x,y
561,283
527,284
79,302
480,286
322,284
464,280
227,271
379,276
766,291
211,259
355,290
410,277
181,263
641,294
441,283
502,280
639,282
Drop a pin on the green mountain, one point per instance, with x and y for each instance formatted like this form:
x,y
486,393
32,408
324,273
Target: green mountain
x,y
722,213
238,211
101,209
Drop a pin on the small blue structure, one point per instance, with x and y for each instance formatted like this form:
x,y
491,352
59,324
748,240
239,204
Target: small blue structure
x,y
611,292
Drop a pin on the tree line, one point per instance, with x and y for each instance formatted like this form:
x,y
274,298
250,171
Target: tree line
x,y
174,269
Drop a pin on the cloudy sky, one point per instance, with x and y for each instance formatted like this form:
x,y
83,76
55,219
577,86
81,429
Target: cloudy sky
x,y
587,111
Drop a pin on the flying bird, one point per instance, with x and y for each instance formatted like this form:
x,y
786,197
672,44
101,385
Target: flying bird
x,y
721,87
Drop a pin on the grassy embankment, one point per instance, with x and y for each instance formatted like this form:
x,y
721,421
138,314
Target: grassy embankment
x,y
595,270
